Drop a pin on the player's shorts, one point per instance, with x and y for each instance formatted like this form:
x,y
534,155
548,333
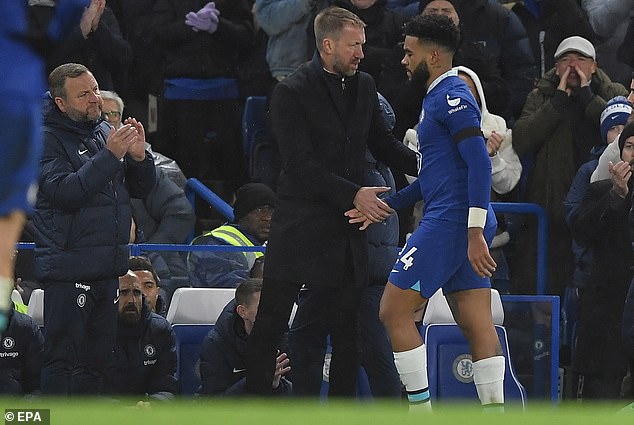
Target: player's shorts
x,y
20,147
435,256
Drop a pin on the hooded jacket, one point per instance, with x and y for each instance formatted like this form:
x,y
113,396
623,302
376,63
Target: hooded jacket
x,y
222,357
145,357
83,216
21,349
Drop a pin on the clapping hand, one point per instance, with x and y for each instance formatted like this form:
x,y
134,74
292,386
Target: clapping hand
x,y
206,19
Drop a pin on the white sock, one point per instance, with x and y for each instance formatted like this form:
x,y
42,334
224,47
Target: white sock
x,y
412,368
488,376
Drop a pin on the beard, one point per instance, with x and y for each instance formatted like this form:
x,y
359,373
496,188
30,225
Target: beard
x,y
130,316
416,87
83,116
420,76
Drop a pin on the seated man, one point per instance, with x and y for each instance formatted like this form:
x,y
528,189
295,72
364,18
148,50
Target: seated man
x,y
149,281
21,347
222,357
252,211
145,352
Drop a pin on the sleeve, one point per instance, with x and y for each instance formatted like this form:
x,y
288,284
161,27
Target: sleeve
x,y
572,203
464,127
277,16
598,209
605,16
405,197
294,140
611,153
169,207
235,27
537,123
140,176
216,373
163,377
506,169
109,44
69,189
386,148
216,268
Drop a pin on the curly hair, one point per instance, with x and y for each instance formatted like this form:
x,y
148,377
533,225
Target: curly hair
x,y
437,29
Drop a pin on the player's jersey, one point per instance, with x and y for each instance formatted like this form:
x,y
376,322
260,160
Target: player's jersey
x,y
450,116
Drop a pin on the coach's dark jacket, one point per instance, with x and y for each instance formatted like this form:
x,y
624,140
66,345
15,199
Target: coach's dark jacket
x,y
21,347
323,163
82,216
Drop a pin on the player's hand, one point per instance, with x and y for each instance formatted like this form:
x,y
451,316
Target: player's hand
x,y
367,202
356,217
478,252
281,368
137,148
620,175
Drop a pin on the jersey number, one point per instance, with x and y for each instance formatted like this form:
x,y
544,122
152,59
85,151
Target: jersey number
x,y
407,259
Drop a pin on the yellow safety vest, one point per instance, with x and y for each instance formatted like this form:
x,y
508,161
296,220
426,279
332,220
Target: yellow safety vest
x,y
234,237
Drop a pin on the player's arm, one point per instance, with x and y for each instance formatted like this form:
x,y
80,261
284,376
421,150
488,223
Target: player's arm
x,y
472,148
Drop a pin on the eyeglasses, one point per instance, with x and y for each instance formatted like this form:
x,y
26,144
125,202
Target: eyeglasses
x,y
111,114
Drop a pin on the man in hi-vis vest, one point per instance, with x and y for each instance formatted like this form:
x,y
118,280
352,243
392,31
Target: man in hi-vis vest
x,y
252,211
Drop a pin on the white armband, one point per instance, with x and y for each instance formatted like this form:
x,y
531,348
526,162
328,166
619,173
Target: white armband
x,y
477,217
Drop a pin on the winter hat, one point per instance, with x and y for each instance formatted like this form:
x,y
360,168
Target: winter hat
x,y
251,196
628,132
616,112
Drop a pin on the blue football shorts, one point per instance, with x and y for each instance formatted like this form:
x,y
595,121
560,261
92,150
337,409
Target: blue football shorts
x,y
435,256
20,147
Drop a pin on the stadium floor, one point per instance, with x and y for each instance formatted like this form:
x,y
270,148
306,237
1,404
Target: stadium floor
x,y
260,412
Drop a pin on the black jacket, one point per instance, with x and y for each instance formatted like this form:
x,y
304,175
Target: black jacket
x,y
21,348
82,216
145,357
602,224
200,54
222,357
322,145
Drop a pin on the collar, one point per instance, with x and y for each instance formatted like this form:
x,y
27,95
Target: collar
x,y
451,73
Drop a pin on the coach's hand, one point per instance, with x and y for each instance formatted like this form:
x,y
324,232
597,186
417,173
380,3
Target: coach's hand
x,y
478,252
367,202
355,217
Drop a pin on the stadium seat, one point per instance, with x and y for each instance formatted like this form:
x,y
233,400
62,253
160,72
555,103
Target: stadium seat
x,y
198,306
188,343
36,306
253,121
449,364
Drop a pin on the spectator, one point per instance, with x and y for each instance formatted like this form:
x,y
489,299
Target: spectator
x,y
407,8
602,225
82,227
287,23
383,31
252,211
547,23
611,153
148,280
223,352
323,145
506,169
24,40
558,127
199,118
145,353
609,20
112,109
96,42
613,120
501,33
21,346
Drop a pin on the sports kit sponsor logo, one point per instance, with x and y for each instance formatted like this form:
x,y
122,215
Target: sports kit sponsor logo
x,y
453,102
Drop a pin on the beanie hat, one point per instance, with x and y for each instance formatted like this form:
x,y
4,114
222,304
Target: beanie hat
x,y
251,196
616,112
628,132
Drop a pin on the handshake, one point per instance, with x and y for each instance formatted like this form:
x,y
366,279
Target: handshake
x,y
206,19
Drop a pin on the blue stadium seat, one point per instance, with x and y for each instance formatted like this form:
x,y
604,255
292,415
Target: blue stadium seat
x,y
450,369
253,121
188,343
